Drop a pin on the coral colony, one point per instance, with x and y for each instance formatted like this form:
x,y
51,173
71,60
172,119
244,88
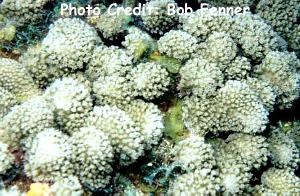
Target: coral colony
x,y
159,97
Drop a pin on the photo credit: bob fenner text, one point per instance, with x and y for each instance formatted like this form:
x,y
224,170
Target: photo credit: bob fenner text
x,y
141,9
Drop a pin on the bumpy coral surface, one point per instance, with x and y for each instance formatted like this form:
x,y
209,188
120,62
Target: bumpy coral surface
x,y
92,154
71,102
243,111
202,23
149,119
124,134
150,80
69,44
177,44
15,78
114,90
220,48
198,182
138,42
23,11
255,36
48,157
285,153
6,158
280,69
193,153
67,186
200,77
25,121
156,19
157,103
111,23
107,61
7,30
279,181
7,100
276,11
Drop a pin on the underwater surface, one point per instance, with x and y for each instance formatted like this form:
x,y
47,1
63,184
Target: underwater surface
x,y
159,97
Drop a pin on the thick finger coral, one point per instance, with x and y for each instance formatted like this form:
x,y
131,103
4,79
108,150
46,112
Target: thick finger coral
x,y
92,155
6,158
124,134
240,109
7,100
156,19
23,11
279,181
107,61
280,69
25,121
198,182
283,15
284,151
138,43
194,153
150,80
113,90
48,157
149,119
70,101
67,186
112,23
15,79
200,77
177,44
69,44
255,36
203,22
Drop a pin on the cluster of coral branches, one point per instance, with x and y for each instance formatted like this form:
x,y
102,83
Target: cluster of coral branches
x,y
100,95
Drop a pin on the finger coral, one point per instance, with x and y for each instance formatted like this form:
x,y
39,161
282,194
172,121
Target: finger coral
x,y
7,30
255,36
67,186
194,153
202,23
6,158
182,98
149,119
279,181
69,44
220,48
150,80
284,151
200,77
156,19
48,157
70,101
15,78
113,90
280,70
124,134
107,61
177,44
198,182
283,16
241,109
23,11
92,154
111,23
137,43
7,100
25,121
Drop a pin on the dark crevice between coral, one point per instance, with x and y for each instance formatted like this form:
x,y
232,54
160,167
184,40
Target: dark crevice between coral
x,y
290,114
